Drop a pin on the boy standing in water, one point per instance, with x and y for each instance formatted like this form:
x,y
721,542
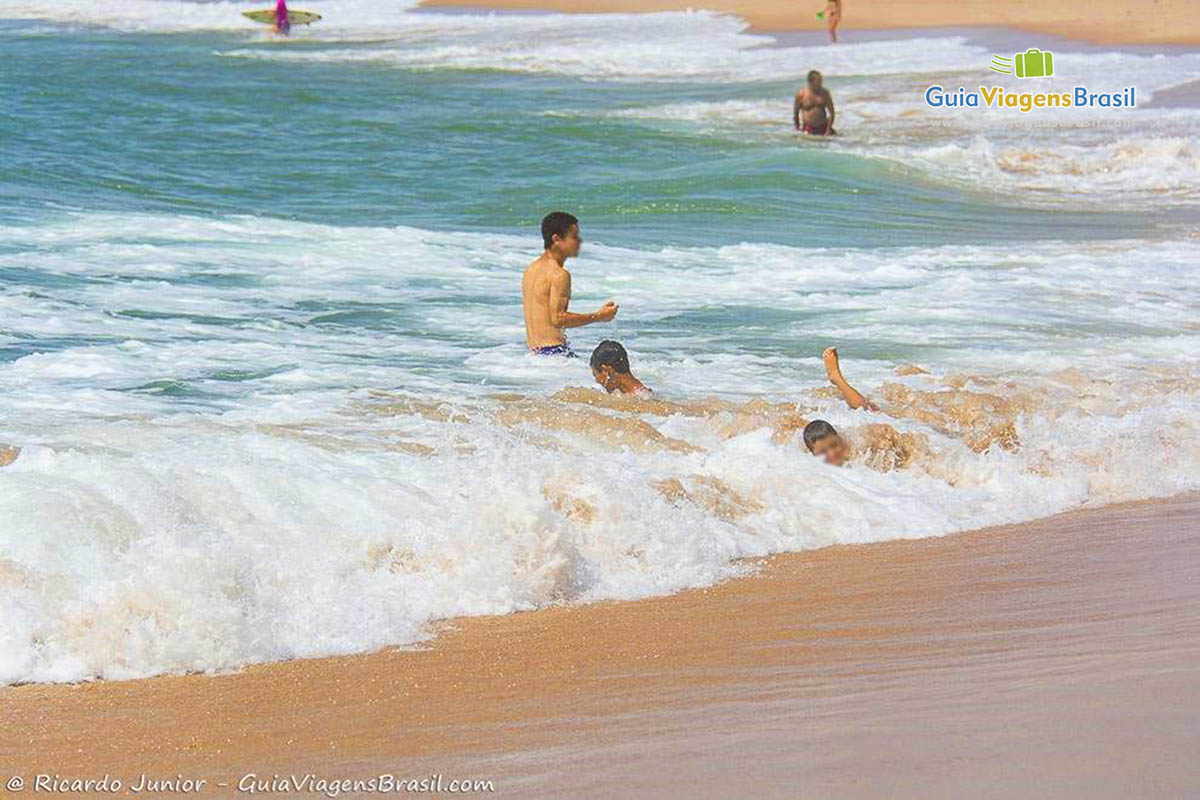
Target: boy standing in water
x,y
546,290
817,104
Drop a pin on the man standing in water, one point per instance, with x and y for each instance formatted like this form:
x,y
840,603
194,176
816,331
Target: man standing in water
x,y
546,290
815,101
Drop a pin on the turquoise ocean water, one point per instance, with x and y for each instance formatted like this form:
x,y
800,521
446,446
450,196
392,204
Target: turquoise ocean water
x,y
260,332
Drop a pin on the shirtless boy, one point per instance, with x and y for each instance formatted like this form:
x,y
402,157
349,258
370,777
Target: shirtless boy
x,y
546,290
816,104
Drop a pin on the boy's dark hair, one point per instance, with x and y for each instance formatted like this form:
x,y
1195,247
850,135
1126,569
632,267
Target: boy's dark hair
x,y
812,73
611,354
817,430
556,223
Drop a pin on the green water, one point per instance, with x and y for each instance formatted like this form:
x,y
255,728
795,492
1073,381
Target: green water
x,y
159,123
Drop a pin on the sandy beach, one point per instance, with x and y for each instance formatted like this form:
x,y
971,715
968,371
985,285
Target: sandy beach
x,y
1104,21
1051,659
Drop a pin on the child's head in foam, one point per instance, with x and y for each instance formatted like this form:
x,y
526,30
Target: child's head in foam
x,y
823,441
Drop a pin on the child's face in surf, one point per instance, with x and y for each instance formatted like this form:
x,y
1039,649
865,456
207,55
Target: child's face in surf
x,y
606,378
832,449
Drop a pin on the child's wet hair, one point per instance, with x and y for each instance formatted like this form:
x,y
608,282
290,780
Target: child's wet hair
x,y
610,354
817,430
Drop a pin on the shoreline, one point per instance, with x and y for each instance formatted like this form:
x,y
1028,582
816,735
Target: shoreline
x,y
1170,22
1089,605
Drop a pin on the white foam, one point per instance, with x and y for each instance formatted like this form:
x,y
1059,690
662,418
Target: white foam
x,y
286,278
292,513
1125,171
1145,158
148,546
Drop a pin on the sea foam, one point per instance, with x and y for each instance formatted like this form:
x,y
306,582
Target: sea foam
x,y
264,456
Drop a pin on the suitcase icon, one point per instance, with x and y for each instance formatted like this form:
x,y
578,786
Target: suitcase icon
x,y
1034,63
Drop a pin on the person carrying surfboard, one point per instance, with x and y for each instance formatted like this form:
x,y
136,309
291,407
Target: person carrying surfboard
x,y
283,25
281,18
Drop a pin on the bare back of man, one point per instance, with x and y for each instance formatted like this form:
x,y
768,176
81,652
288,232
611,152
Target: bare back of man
x,y
546,289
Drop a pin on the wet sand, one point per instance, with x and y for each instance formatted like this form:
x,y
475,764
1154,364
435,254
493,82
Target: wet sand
x,y
1051,659
1101,21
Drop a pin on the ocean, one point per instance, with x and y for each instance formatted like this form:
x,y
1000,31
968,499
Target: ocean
x,y
261,343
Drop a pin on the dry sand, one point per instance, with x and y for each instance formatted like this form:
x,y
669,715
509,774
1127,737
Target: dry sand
x,y
1107,21
1053,659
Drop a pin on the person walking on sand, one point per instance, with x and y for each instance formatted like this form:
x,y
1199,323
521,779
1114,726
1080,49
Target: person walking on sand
x,y
546,290
816,104
833,15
